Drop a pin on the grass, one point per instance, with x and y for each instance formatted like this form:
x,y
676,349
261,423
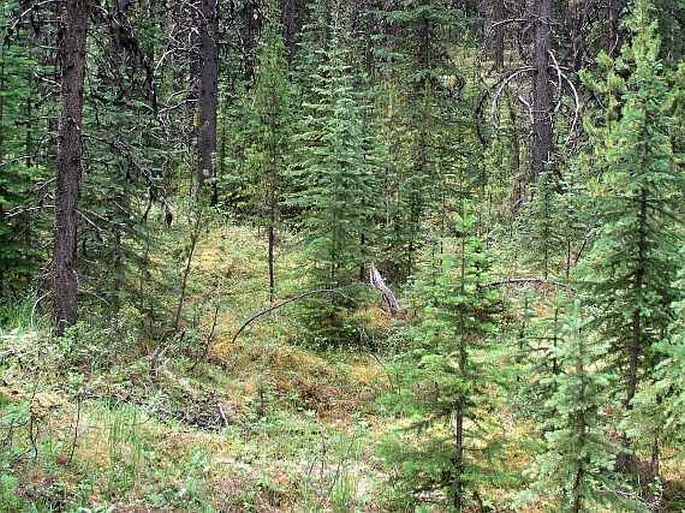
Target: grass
x,y
101,422
97,421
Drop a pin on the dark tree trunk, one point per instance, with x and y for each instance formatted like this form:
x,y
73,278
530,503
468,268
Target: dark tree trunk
x,y
542,118
614,9
458,459
209,64
72,53
250,33
498,43
458,499
576,20
637,332
292,15
272,240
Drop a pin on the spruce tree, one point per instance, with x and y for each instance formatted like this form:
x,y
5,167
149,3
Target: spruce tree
x,y
420,45
448,367
21,169
630,270
269,133
335,181
578,456
660,405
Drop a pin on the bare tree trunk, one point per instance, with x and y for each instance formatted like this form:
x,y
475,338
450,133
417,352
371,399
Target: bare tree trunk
x,y
72,53
251,25
614,9
272,242
209,65
498,43
458,458
459,468
542,120
576,19
293,16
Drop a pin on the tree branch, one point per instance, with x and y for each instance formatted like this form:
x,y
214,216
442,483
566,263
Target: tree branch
x,y
299,297
527,281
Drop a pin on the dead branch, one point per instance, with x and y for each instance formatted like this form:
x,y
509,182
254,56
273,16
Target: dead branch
x,y
34,7
272,308
501,23
503,83
378,283
562,76
558,70
527,281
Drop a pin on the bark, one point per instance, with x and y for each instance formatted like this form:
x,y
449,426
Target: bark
x,y
614,9
576,20
72,54
498,43
250,33
378,283
292,15
637,334
209,67
458,500
272,240
542,120
458,459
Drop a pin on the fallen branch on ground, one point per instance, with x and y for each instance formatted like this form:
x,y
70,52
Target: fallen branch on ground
x,y
272,308
527,281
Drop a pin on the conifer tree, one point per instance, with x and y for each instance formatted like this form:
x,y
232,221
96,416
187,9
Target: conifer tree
x,y
450,340
269,133
422,49
20,169
578,455
630,271
335,180
72,50
660,405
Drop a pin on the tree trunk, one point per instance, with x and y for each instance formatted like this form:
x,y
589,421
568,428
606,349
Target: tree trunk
x,y
614,9
458,484
292,16
458,459
498,43
542,120
272,242
72,53
209,64
250,34
637,333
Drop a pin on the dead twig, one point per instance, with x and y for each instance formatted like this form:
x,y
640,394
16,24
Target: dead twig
x,y
527,281
299,297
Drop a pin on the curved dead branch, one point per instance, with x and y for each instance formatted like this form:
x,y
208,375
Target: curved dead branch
x,y
503,83
272,308
563,77
527,281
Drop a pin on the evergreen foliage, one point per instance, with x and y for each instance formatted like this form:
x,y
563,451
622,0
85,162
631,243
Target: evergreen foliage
x,y
522,272
21,129
422,77
270,134
578,457
448,369
335,180
630,270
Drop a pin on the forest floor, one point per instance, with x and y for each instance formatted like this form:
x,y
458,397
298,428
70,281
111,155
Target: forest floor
x,y
256,424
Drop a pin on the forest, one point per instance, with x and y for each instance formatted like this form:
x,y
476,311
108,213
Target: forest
x,y
342,256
